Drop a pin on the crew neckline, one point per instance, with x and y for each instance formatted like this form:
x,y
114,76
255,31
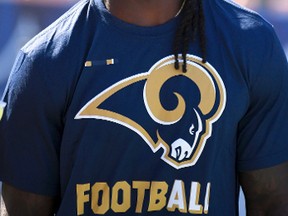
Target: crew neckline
x,y
157,30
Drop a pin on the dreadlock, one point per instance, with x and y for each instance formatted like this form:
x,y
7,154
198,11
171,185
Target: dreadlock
x,y
192,24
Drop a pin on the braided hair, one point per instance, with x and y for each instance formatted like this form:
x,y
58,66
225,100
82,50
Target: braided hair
x,y
191,26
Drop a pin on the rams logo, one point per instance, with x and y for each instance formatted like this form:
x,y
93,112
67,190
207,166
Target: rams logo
x,y
182,129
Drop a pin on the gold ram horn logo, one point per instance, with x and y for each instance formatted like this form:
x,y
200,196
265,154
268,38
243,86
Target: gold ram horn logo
x,y
212,91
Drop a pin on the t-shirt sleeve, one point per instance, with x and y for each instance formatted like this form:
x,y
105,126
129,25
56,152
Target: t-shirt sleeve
x,y
263,132
30,130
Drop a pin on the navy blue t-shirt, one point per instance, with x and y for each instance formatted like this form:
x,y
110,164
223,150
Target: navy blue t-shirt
x,y
94,112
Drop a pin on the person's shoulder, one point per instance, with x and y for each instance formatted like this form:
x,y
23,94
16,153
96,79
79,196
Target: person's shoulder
x,y
241,18
57,54
61,33
247,30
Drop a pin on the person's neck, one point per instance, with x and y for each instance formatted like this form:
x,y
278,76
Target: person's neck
x,y
144,12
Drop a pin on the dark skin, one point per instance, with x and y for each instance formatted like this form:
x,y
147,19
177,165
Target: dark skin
x,y
21,203
266,190
144,12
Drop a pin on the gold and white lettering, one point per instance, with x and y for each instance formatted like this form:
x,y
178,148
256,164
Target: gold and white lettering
x,y
82,198
126,197
158,198
207,198
141,187
100,204
177,198
194,206
118,198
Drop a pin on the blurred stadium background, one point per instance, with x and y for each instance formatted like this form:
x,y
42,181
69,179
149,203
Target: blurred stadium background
x,y
20,20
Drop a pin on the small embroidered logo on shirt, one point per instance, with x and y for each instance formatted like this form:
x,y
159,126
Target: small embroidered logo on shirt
x,y
88,64
111,61
2,107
